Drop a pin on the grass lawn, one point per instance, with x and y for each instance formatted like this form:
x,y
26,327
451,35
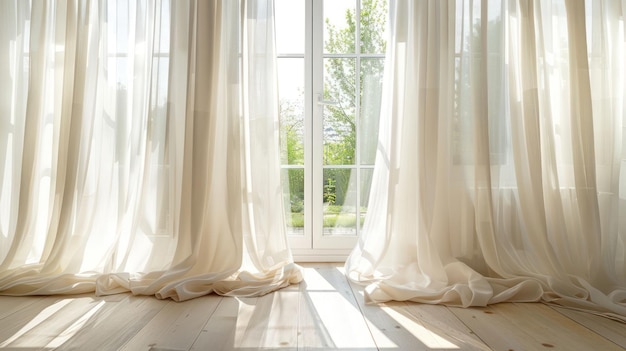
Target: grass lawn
x,y
330,220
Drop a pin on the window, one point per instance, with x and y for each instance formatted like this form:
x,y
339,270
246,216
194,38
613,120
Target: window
x,y
124,45
330,68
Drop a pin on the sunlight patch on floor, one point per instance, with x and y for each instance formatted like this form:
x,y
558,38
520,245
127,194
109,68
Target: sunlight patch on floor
x,y
40,318
68,333
427,337
342,320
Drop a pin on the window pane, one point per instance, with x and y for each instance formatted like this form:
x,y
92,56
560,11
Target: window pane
x,y
118,70
289,26
163,33
339,198
291,99
373,26
339,120
339,26
291,109
371,90
160,71
364,199
118,25
293,195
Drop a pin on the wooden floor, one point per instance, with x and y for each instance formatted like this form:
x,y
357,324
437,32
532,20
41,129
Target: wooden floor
x,y
325,312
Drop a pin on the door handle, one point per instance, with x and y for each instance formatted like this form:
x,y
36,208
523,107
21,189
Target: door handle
x,y
322,102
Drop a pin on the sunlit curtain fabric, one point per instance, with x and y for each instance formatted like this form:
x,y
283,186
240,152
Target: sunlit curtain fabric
x,y
501,165
139,149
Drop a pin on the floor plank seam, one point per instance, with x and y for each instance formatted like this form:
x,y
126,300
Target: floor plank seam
x,y
35,299
369,329
129,339
208,320
553,307
472,332
299,330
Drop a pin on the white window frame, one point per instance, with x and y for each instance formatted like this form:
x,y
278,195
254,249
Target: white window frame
x,y
313,245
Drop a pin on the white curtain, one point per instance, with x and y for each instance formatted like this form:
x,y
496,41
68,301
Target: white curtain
x,y
139,149
501,165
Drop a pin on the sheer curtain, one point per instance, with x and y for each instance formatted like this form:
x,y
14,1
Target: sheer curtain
x,y
139,149
500,166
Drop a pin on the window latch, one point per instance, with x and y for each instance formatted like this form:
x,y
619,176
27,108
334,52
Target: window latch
x,y
322,102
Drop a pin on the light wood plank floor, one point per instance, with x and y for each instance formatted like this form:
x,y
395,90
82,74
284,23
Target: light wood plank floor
x,y
325,312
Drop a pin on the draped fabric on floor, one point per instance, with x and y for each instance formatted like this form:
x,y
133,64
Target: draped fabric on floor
x,y
139,149
501,165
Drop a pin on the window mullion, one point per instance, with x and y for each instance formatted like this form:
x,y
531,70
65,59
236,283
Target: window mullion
x,y
316,135
357,116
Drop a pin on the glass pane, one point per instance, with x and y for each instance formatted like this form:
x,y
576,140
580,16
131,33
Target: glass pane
x,y
460,138
339,198
119,65
118,15
339,120
373,26
366,184
164,29
460,25
158,115
339,26
289,26
291,99
293,195
371,89
160,71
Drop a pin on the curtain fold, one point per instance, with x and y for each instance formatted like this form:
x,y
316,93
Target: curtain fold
x,y
140,149
499,172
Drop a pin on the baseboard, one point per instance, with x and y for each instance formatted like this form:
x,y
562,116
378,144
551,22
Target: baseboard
x,y
320,255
